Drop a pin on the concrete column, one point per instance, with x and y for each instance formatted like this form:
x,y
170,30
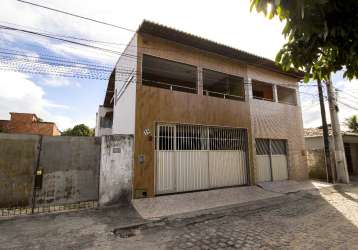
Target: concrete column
x,y
298,97
248,89
274,93
341,164
200,80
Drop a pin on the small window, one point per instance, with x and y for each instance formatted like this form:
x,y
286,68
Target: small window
x,y
262,91
286,95
223,85
162,73
107,120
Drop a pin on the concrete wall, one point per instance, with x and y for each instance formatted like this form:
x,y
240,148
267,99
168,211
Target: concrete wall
x,y
116,169
18,155
125,91
316,164
315,144
71,168
354,155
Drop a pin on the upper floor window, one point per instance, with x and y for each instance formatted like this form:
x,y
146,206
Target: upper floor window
x,y
286,95
223,85
162,73
262,90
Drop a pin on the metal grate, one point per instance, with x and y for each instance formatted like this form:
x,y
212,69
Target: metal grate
x,y
278,147
227,139
166,137
273,147
262,146
198,137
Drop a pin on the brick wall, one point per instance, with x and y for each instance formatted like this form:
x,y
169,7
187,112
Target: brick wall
x,y
22,123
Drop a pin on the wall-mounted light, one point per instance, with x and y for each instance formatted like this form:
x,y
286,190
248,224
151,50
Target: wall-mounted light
x,y
148,134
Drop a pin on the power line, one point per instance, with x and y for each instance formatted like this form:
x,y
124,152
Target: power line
x,y
30,58
75,15
63,36
60,39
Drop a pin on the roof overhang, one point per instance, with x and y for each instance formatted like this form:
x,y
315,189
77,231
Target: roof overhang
x,y
108,99
181,37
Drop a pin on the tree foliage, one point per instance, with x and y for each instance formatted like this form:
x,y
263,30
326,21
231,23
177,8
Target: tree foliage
x,y
78,130
322,35
352,123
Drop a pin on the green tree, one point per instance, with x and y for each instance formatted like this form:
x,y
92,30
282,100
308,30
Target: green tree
x,y
78,130
322,35
352,123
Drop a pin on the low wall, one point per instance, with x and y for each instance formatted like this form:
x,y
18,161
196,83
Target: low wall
x,y
70,168
116,169
316,164
18,156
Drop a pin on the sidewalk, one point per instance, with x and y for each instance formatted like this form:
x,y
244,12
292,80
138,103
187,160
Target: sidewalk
x,y
176,204
167,205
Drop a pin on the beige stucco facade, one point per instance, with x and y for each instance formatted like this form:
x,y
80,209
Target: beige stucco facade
x,y
261,118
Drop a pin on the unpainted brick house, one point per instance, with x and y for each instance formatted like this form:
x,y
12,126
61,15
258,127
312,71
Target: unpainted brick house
x,y
25,123
203,115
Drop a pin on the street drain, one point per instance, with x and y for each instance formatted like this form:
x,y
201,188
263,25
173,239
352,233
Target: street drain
x,y
125,232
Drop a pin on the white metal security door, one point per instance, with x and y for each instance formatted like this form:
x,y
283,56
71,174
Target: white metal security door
x,y
193,157
271,160
263,160
279,160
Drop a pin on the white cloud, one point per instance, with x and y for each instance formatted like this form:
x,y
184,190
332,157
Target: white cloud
x,y
231,23
52,81
19,94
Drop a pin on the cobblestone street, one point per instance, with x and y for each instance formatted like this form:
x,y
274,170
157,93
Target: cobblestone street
x,y
326,219
302,220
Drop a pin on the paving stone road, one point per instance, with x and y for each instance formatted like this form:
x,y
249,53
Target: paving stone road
x,y
303,220
300,221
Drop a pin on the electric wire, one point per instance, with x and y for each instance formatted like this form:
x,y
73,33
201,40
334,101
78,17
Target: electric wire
x,y
76,15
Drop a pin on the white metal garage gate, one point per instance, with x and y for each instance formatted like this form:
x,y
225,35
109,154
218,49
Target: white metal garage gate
x,y
195,157
271,160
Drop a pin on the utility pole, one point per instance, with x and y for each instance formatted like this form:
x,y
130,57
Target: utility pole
x,y
329,165
341,163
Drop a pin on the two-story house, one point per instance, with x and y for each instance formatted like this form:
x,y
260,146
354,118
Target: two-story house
x,y
203,115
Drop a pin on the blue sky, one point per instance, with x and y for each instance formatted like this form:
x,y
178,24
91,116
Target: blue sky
x,y
69,101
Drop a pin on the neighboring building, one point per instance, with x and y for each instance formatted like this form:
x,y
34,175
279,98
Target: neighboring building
x,y
104,120
25,123
203,115
315,152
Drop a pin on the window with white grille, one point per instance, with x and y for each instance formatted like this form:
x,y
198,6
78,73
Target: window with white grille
x,y
198,137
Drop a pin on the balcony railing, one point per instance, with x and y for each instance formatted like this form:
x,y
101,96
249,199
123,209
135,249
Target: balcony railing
x,y
224,95
169,86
